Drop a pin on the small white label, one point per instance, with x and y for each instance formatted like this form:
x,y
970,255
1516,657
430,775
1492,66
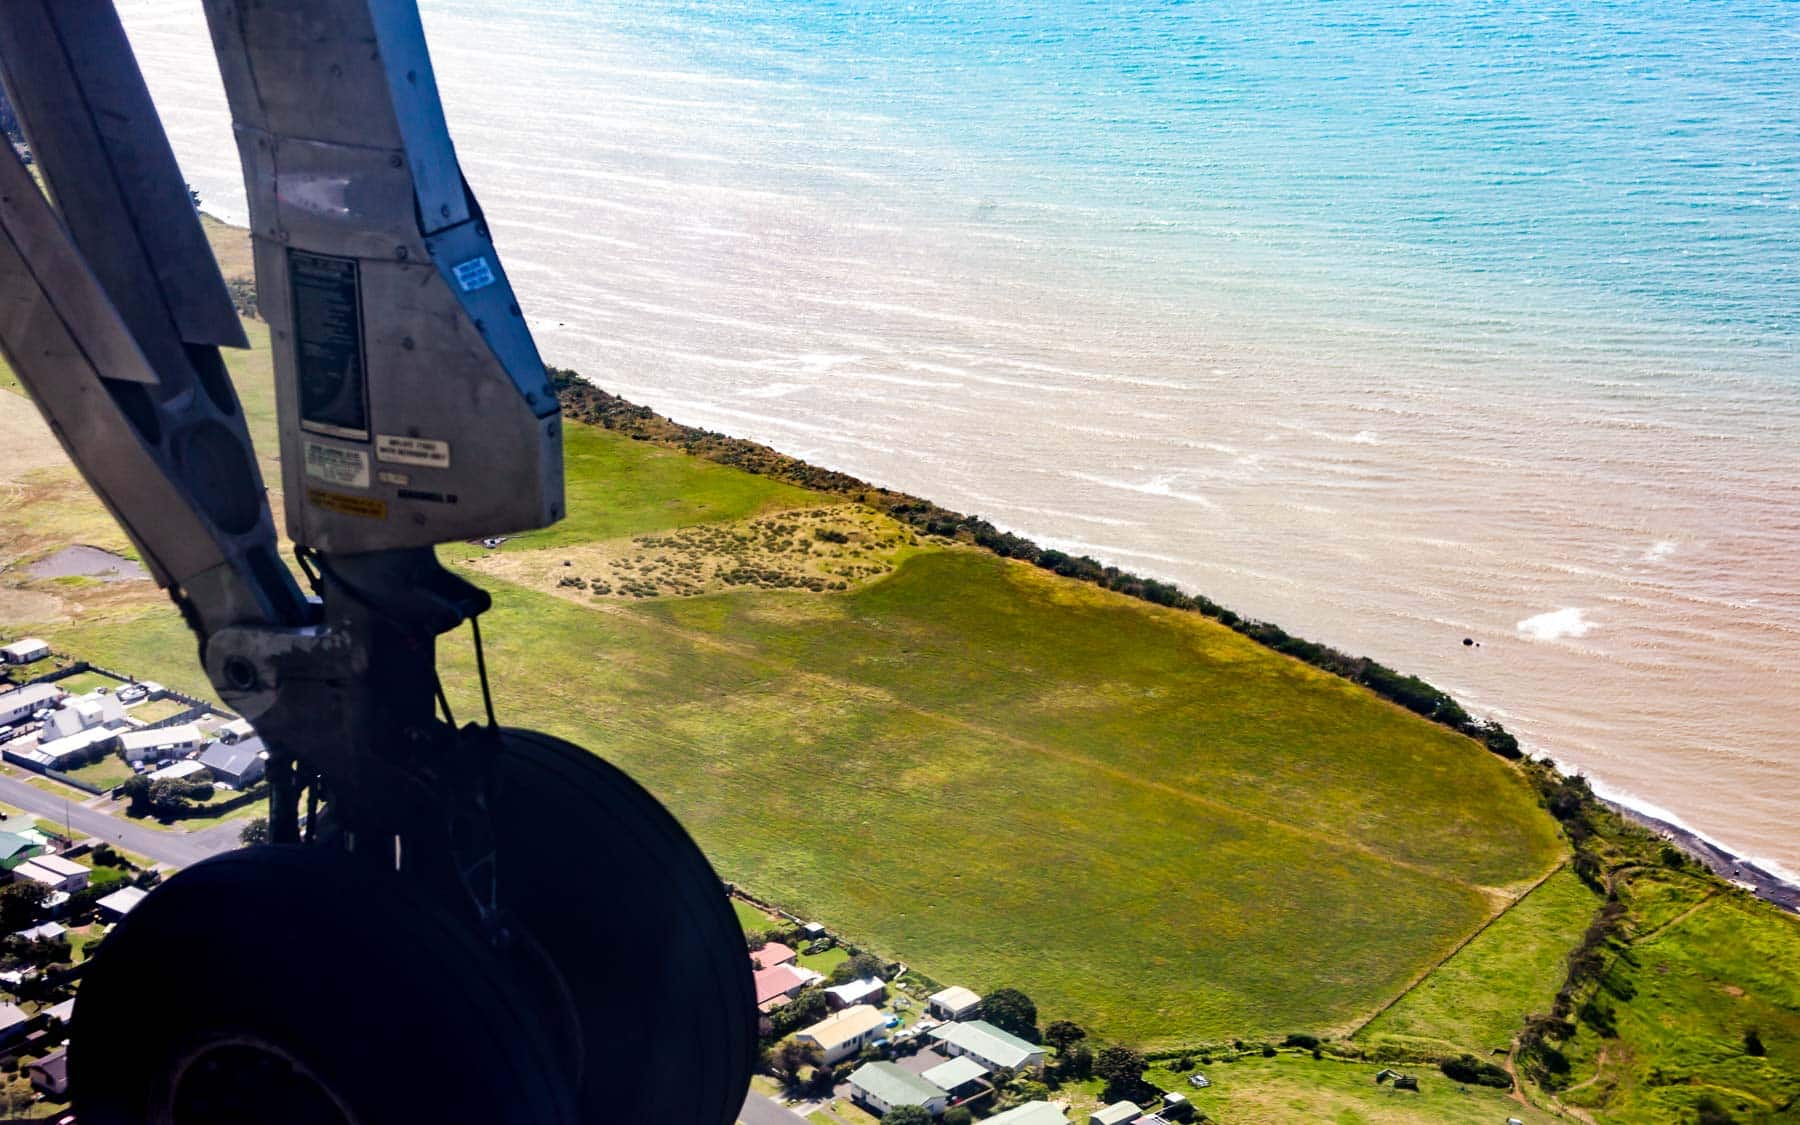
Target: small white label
x,y
334,464
473,274
400,480
412,451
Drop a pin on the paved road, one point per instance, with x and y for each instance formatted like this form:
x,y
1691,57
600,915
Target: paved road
x,y
759,1110
178,849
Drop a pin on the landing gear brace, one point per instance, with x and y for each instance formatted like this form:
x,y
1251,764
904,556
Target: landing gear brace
x,y
469,924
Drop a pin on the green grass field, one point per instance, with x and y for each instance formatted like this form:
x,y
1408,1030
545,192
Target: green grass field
x,y
1667,1025
1296,1087
1479,998
1153,825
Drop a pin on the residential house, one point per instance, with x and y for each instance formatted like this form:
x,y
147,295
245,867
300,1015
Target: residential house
x,y
44,931
26,650
1118,1113
50,1074
778,984
959,1077
16,849
842,1034
988,1045
68,752
84,712
869,990
120,903
55,872
772,954
157,743
1031,1113
883,1086
953,1003
236,765
22,703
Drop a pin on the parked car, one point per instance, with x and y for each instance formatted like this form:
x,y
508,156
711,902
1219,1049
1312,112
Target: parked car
x,y
1199,1081
131,693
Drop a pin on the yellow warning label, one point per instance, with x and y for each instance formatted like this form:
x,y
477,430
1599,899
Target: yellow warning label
x,y
347,505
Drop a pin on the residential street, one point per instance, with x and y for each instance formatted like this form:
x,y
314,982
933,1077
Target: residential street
x,y
760,1110
171,847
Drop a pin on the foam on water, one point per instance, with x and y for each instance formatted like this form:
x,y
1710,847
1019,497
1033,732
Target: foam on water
x,y
1364,319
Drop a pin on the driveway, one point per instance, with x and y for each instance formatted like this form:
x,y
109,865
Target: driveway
x,y
175,848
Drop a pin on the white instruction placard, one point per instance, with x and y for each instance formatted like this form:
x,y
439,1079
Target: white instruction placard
x,y
398,450
335,464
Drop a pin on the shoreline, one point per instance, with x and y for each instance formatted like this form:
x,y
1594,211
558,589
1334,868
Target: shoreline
x,y
1717,859
1733,869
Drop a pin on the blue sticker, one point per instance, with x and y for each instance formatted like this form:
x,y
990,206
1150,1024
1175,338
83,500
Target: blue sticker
x,y
473,274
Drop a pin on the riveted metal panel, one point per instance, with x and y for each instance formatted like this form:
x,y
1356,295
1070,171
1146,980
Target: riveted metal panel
x,y
420,115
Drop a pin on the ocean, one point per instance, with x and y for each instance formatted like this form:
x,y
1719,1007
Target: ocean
x,y
1396,324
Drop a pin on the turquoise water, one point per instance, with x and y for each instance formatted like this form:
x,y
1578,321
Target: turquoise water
x,y
1396,324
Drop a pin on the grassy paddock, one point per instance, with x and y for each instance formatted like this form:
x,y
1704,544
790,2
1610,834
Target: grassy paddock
x,y
1153,825
1479,998
1296,1087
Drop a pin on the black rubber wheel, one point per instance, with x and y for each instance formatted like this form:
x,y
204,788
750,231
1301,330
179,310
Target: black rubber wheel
x,y
623,902
296,986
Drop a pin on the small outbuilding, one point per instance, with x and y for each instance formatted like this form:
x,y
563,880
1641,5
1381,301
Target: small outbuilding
x,y
1117,1113
869,990
176,771
954,1003
26,650
120,903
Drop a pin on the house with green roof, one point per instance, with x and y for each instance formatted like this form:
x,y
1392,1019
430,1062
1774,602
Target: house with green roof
x,y
16,849
882,1086
988,1045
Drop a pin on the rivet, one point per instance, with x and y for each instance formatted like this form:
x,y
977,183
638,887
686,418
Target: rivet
x,y
394,160
407,343
400,253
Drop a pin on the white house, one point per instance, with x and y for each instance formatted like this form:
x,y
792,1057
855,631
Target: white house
x,y
869,990
159,742
21,703
65,753
844,1033
988,1045
84,712
883,1086
55,872
953,1003
25,650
